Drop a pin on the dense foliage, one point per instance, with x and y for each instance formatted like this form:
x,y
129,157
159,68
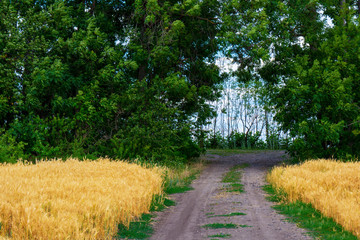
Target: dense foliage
x,y
307,52
133,78
124,79
320,92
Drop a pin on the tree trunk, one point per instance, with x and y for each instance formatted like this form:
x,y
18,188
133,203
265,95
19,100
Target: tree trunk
x,y
267,128
142,72
342,4
215,120
201,137
313,15
228,112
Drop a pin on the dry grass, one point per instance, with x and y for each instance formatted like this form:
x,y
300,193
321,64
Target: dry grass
x,y
73,199
187,171
332,187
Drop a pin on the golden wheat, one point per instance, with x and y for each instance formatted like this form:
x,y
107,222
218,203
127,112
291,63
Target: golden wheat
x,y
332,187
73,199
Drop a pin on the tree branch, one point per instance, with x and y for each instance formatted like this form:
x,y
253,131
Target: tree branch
x,y
201,18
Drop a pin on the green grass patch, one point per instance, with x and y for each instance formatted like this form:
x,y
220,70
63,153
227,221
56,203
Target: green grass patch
x,y
159,203
169,202
178,189
220,225
209,213
229,215
180,184
244,226
309,218
233,177
220,235
235,187
234,174
140,229
274,196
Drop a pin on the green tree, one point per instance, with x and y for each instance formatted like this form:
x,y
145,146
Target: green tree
x,y
123,79
315,76
307,54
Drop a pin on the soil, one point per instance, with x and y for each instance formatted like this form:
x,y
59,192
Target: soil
x,y
198,207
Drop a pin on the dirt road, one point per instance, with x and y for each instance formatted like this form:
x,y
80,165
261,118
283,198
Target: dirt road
x,y
208,199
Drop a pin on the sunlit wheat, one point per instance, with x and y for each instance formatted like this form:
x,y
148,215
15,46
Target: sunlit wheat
x,y
73,199
332,187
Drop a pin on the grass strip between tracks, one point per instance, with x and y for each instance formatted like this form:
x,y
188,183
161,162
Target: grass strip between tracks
x,y
233,178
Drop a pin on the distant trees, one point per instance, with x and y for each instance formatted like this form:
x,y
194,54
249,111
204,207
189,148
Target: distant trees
x,y
244,119
247,111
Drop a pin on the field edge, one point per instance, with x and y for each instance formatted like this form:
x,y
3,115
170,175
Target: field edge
x,y
307,217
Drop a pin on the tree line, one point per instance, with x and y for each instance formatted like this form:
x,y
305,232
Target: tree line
x,y
134,78
245,119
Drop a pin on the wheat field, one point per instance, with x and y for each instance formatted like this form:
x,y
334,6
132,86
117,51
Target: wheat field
x,y
73,199
332,187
